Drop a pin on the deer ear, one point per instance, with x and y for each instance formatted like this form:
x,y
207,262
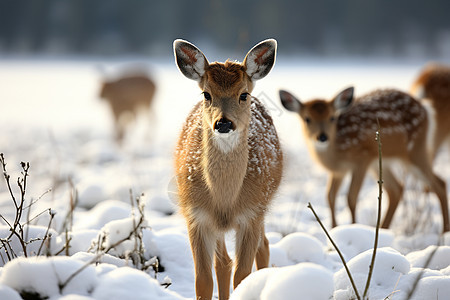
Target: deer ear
x,y
189,59
290,102
260,59
344,100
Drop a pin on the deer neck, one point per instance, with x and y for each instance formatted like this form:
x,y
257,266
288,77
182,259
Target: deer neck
x,y
225,163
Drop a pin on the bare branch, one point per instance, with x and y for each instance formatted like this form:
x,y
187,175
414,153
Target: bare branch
x,y
380,195
337,250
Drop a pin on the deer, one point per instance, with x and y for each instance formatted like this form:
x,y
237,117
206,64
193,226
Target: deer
x,y
126,97
228,165
432,88
340,134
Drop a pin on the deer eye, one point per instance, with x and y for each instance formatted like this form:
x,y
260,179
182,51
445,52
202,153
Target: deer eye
x,y
243,97
207,96
307,120
332,119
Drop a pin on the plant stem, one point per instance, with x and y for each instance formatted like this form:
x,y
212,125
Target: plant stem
x,y
377,228
337,250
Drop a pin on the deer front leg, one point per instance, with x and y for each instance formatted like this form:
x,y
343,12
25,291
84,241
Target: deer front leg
x,y
203,243
223,265
247,242
355,186
333,187
263,253
394,190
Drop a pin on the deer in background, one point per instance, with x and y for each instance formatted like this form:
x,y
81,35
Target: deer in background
x,y
432,87
127,97
340,134
228,165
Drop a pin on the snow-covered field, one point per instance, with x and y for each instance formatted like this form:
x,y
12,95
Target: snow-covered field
x,y
50,116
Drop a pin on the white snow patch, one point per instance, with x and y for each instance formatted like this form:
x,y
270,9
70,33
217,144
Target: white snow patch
x,y
305,280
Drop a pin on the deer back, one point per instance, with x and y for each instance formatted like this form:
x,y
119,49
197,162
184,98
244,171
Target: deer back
x,y
341,132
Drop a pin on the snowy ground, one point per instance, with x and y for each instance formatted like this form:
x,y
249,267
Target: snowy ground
x,y
50,116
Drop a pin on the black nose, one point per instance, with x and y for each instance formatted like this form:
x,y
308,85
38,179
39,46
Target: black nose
x,y
322,137
223,125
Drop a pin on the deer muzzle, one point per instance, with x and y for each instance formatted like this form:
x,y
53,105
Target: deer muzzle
x,y
223,125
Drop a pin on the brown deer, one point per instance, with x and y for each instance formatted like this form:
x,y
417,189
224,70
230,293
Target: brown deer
x,y
228,165
341,137
432,87
126,97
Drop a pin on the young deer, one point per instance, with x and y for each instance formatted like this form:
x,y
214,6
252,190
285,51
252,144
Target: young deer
x,y
228,164
432,87
126,97
342,138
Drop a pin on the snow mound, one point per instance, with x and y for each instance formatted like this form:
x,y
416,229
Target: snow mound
x,y
295,248
117,235
90,194
104,281
356,238
102,213
440,259
25,275
389,266
118,283
8,293
437,286
311,281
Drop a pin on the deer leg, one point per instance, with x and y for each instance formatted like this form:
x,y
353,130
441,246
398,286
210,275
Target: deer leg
x,y
263,253
333,187
203,243
394,190
223,265
436,184
247,241
355,186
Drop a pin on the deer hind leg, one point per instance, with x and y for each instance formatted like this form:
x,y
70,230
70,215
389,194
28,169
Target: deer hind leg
x,y
263,253
436,184
223,265
394,190
203,243
333,187
355,186
247,242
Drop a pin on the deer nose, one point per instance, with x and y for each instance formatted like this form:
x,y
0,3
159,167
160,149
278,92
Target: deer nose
x,y
322,137
223,125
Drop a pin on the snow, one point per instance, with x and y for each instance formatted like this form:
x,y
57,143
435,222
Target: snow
x,y
307,279
44,276
356,238
389,266
51,116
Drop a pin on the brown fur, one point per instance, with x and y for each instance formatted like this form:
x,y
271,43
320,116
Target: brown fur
x,y
433,86
352,147
127,95
223,189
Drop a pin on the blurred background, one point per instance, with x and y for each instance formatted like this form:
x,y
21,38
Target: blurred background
x,y
68,67
402,29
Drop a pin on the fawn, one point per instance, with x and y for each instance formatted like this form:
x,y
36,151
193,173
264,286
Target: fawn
x,y
126,97
228,165
432,87
341,136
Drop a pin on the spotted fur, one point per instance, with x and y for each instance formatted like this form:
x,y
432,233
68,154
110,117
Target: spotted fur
x,y
226,180
341,136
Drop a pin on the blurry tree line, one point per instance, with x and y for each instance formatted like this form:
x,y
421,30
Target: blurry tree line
x,y
305,27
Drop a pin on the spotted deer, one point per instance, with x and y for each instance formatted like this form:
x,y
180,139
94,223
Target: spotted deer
x,y
340,134
228,165
127,96
432,87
